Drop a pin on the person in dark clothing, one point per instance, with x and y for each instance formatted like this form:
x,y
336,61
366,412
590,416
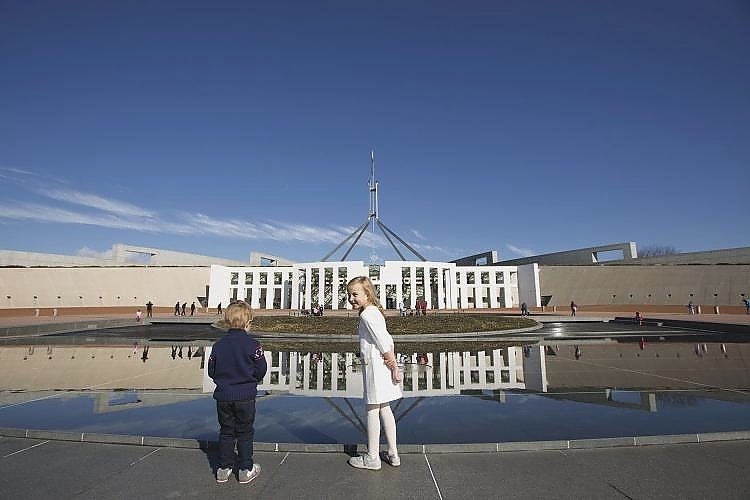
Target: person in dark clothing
x,y
192,309
149,309
184,305
237,364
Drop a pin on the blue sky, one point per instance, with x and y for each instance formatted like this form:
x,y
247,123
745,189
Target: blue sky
x,y
221,128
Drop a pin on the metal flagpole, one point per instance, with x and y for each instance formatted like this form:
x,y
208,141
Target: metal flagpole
x,y
374,219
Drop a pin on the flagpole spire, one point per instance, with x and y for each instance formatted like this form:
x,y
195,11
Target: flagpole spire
x,y
373,219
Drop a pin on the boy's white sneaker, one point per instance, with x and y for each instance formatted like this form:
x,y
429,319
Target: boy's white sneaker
x,y
365,461
245,475
222,475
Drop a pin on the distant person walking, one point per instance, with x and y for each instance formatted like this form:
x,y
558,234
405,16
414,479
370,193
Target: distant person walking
x,y
192,309
524,309
184,305
573,308
691,307
218,308
747,305
177,308
149,309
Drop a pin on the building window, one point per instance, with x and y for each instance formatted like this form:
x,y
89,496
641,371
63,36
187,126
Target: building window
x,y
374,273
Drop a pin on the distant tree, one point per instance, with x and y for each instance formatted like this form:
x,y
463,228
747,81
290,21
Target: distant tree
x,y
656,251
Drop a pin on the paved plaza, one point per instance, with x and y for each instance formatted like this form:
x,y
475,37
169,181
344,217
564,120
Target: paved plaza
x,y
43,468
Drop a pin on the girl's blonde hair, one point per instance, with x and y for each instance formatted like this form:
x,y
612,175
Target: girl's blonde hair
x,y
369,288
238,314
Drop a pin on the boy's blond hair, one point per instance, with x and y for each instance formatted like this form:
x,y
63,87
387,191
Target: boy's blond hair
x,y
369,288
238,314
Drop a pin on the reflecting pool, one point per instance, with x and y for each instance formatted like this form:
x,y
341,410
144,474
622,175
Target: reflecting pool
x,y
517,393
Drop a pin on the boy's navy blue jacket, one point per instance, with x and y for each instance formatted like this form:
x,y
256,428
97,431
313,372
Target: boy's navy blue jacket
x,y
236,365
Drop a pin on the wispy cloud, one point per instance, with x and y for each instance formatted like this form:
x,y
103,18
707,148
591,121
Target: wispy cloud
x,y
45,213
70,206
521,252
88,252
14,174
97,202
60,205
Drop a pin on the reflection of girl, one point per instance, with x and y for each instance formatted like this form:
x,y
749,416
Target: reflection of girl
x,y
380,375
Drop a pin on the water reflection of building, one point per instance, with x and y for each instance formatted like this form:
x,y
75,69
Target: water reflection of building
x,y
335,374
646,376
41,367
658,365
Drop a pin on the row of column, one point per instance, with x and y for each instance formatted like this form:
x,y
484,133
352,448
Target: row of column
x,y
300,289
444,373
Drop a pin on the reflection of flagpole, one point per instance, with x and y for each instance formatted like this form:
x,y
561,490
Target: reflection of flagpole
x,y
358,424
410,408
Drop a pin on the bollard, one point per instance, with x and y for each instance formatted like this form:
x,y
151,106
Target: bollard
x,y
698,309
716,309
554,308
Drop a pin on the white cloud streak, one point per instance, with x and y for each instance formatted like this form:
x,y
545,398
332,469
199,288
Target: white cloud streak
x,y
94,210
97,202
521,252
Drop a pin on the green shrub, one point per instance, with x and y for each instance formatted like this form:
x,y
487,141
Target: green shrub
x,y
397,325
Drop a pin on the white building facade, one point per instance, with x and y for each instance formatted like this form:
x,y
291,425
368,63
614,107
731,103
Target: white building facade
x,y
338,374
442,285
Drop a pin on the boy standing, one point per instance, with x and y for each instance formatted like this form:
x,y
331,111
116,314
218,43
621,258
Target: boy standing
x,y
237,364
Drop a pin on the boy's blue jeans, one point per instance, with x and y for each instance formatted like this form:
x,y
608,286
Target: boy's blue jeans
x,y
236,419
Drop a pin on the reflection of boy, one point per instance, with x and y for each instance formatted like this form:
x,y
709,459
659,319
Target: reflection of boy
x,y
237,364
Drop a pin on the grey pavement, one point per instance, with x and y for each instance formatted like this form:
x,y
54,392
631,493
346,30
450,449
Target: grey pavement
x,y
45,468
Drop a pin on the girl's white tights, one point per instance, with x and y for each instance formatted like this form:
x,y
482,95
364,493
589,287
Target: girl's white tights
x,y
376,413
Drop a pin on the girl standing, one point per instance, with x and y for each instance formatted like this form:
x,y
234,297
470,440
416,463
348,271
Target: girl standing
x,y
381,377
